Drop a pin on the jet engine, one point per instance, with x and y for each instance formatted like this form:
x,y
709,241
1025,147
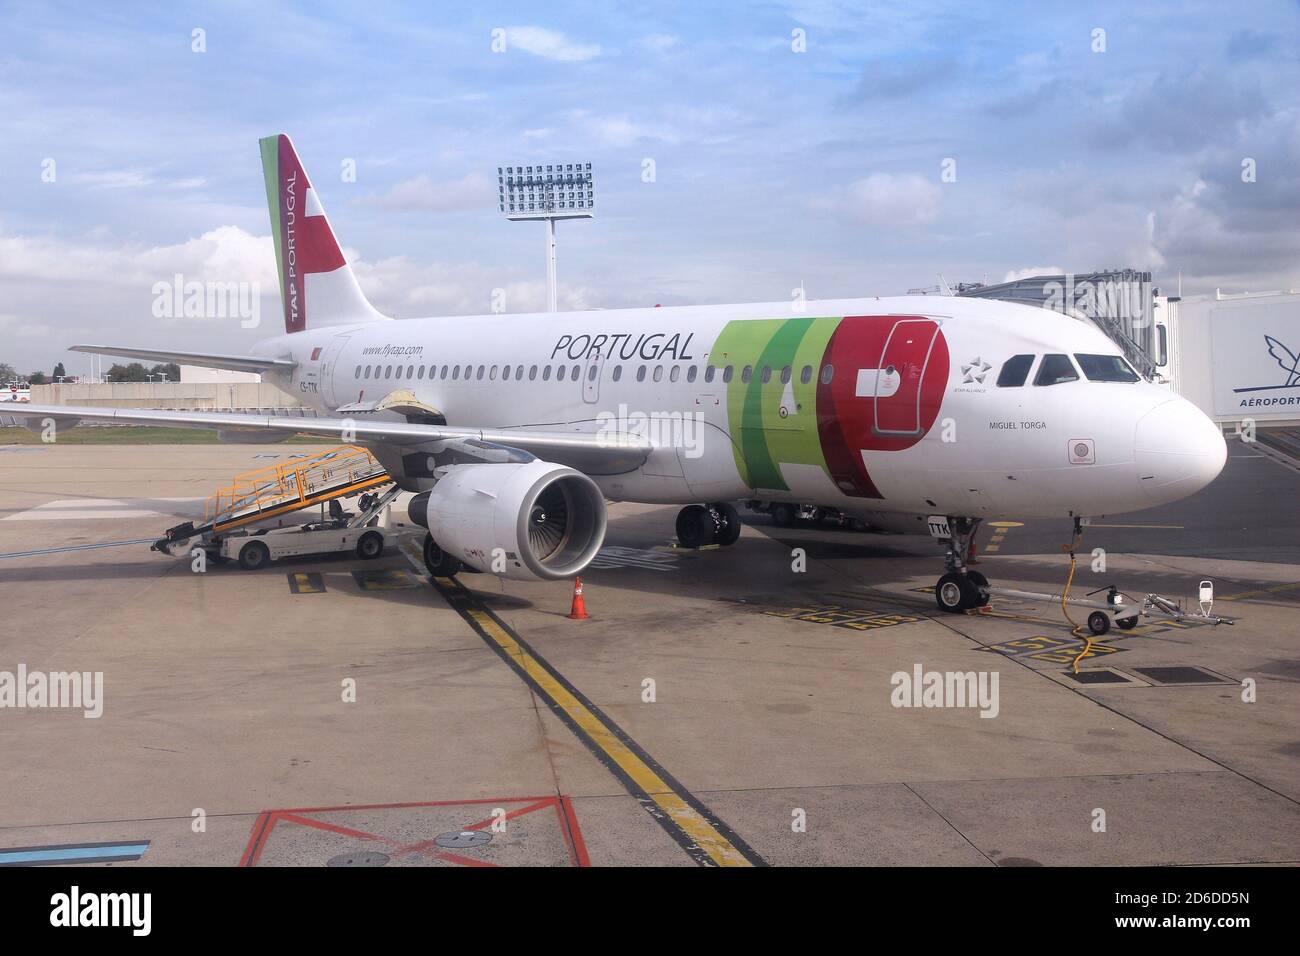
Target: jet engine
x,y
547,520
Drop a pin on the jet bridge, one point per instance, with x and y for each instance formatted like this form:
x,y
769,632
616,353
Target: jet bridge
x,y
279,489
1119,302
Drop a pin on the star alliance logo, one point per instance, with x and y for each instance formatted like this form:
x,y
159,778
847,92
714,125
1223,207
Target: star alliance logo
x,y
974,371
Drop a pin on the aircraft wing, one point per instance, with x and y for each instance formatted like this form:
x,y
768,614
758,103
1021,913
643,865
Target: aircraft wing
x,y
234,363
607,454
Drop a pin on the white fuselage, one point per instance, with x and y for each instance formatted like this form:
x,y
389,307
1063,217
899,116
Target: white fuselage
x,y
916,425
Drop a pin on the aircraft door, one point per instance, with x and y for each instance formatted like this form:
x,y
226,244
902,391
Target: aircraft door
x,y
329,361
902,367
591,375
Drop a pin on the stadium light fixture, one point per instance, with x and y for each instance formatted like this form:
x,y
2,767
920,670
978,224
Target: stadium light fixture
x,y
548,192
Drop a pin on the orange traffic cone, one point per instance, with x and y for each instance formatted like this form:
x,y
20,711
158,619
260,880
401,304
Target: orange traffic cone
x,y
579,610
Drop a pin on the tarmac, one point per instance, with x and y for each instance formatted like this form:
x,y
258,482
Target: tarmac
x,y
728,706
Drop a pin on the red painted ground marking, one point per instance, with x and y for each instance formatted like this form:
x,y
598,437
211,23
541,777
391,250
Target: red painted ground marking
x,y
567,819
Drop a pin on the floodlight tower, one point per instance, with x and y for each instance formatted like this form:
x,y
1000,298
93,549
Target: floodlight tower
x,y
550,192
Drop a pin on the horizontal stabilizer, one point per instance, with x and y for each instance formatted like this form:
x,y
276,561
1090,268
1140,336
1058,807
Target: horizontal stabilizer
x,y
233,363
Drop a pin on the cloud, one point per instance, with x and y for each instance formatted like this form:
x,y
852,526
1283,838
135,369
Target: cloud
x,y
1176,110
402,287
895,79
60,290
422,194
886,199
224,254
1014,274
659,42
549,44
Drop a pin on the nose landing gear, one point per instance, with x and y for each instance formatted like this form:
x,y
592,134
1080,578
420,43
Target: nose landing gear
x,y
960,589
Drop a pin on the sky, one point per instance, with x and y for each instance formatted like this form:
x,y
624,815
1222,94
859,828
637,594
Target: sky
x,y
738,150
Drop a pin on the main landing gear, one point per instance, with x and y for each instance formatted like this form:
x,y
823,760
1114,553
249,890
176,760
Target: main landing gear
x,y
699,525
961,589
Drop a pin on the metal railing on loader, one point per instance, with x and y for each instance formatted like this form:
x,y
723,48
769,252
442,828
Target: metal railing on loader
x,y
279,489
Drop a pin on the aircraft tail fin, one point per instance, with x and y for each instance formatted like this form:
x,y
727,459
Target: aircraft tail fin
x,y
316,283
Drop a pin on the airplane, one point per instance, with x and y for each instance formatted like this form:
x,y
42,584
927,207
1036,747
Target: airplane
x,y
917,414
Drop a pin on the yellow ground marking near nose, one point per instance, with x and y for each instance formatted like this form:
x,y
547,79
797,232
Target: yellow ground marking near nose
x,y
719,848
689,821
1006,524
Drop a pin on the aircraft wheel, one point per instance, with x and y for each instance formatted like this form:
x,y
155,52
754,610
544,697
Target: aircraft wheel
x,y
1098,623
981,587
439,562
728,524
254,555
955,593
370,546
695,527
783,515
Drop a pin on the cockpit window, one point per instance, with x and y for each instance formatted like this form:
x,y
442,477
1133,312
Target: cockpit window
x,y
1014,371
1055,370
1106,368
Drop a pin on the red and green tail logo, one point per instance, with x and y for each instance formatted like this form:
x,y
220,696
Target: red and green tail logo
x,y
304,243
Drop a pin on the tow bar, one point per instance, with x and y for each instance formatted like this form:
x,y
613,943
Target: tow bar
x,y
1125,613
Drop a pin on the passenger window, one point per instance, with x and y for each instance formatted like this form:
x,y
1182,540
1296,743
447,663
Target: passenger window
x,y
1106,368
532,373
640,373
659,373
505,373
443,373
480,372
828,372
785,375
1014,371
358,375
767,374
591,375
367,371
747,374
575,373
726,374
806,375
455,373
675,373
1055,370
388,372
691,373
492,375
420,373
410,371
559,373
618,373
709,372
546,373
519,373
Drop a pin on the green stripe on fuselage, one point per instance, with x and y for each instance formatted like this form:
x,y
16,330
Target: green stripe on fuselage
x,y
763,439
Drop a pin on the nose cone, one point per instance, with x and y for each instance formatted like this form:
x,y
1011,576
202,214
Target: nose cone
x,y
1178,451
